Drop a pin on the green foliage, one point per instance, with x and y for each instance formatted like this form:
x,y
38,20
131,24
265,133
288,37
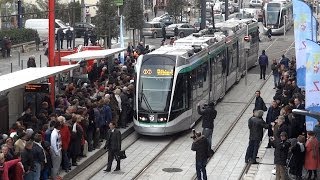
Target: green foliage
x,y
18,36
107,19
133,13
175,8
33,11
62,11
77,7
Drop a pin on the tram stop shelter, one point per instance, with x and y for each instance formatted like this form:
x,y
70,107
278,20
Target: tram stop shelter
x,y
93,54
12,90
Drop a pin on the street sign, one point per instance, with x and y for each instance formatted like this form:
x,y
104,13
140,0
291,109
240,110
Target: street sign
x,y
118,2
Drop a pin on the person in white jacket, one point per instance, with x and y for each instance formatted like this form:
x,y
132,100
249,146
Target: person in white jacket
x,y
55,150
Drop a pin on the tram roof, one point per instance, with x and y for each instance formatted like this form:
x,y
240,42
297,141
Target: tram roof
x,y
93,54
172,50
23,77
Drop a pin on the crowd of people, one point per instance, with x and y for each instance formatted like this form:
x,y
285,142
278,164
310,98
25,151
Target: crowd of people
x,y
295,147
59,134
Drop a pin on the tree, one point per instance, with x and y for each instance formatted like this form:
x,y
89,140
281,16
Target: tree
x,y
133,13
62,11
175,8
76,6
33,11
108,21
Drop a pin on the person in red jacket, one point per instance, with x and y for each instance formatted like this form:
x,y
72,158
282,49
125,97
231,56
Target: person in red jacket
x,y
65,138
5,166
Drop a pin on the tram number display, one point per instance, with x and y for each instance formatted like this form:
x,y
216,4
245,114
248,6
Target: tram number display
x,y
157,72
37,88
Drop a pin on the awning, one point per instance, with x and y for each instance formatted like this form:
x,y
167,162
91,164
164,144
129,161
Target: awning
x,y
92,54
30,75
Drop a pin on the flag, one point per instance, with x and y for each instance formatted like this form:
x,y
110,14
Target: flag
x,y
302,16
312,81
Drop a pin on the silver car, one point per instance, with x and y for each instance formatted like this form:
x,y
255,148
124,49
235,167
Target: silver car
x,y
153,29
184,29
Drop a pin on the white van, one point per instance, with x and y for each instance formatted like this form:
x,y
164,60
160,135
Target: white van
x,y
42,26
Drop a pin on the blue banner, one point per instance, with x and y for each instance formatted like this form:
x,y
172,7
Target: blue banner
x,y
312,81
314,29
121,40
302,16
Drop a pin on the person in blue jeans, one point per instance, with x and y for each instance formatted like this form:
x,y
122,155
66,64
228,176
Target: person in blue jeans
x,y
200,145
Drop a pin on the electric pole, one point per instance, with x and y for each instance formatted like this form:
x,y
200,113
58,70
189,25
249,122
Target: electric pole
x,y
226,11
203,14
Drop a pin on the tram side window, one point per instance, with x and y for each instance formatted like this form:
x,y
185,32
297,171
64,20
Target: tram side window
x,y
193,77
180,93
234,56
200,76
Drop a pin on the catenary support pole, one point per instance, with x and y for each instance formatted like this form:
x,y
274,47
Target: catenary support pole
x,y
51,46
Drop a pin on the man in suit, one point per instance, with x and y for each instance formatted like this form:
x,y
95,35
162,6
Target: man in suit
x,y
113,143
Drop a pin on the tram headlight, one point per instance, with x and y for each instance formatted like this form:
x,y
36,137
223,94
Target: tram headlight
x,y
162,119
141,118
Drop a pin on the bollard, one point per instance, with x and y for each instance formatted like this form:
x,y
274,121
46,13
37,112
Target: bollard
x,y
11,67
40,61
19,58
21,64
47,64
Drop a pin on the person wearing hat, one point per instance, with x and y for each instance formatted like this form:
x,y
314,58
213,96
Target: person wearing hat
x,y
280,155
208,114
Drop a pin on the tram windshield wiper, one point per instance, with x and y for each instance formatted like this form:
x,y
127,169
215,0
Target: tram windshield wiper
x,y
145,100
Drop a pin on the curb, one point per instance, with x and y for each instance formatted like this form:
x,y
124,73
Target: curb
x,y
94,157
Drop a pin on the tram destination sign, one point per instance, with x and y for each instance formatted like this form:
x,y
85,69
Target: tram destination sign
x,y
157,72
37,88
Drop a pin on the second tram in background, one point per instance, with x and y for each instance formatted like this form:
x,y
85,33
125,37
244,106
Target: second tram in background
x,y
277,15
173,79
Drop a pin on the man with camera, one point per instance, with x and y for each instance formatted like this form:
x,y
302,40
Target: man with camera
x,y
208,115
200,145
113,144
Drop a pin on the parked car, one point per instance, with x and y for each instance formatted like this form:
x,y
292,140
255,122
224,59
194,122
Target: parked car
x,y
183,28
166,19
153,29
196,25
81,27
255,3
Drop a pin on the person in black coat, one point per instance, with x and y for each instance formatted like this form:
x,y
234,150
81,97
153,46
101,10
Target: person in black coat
x,y
176,32
200,145
259,103
208,115
60,37
125,107
273,113
256,125
164,33
86,36
76,138
113,144
69,36
297,159
300,119
280,155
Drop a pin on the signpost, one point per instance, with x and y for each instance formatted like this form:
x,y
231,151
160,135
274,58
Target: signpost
x,y
118,2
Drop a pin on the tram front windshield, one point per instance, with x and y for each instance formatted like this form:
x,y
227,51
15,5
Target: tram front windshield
x,y
273,13
155,85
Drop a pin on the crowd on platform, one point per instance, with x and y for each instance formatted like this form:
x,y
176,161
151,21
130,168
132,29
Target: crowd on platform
x,y
295,148
60,134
